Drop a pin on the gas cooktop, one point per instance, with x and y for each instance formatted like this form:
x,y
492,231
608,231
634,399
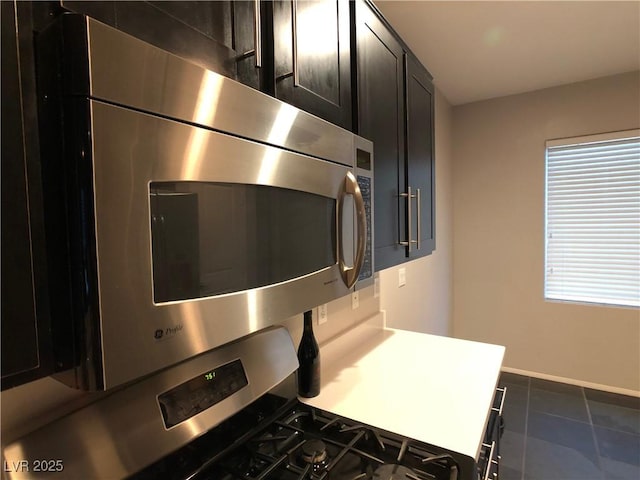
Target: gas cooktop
x,y
279,439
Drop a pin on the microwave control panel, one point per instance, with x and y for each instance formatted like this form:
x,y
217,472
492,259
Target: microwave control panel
x,y
364,171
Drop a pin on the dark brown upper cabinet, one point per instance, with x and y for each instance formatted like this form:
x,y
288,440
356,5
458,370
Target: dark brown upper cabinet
x,y
396,112
312,63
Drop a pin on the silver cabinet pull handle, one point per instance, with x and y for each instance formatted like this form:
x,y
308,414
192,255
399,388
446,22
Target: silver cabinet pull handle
x,y
294,27
419,218
257,41
351,187
408,196
490,460
504,396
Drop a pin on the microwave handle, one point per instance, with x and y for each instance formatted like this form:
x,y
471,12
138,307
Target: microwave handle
x,y
351,187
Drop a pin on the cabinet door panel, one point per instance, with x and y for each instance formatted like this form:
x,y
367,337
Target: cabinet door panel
x,y
318,53
381,120
420,171
311,55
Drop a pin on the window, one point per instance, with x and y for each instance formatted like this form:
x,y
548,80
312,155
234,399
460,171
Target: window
x,y
593,219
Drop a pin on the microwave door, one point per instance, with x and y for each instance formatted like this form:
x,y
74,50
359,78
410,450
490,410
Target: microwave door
x,y
250,230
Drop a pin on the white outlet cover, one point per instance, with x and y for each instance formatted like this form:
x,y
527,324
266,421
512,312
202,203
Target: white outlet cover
x,y
322,314
376,288
355,300
402,277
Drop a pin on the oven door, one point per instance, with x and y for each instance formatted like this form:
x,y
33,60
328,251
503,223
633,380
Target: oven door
x,y
203,237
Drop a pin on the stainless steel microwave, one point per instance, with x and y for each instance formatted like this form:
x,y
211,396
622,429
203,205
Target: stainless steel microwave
x,y
185,210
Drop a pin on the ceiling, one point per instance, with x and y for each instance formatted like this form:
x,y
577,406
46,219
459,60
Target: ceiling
x,y
480,49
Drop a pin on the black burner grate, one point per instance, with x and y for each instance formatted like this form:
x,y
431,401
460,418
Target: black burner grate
x,y
351,451
299,442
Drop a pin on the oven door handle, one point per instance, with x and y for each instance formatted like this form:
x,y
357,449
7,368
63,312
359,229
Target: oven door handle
x,y
350,187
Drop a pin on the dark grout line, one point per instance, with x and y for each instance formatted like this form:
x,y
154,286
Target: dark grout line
x,y
571,419
593,434
617,430
526,428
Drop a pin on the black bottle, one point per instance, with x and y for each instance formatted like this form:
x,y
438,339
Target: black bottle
x,y
309,358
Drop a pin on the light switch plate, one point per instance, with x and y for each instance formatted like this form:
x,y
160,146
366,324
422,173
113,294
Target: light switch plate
x,y
355,300
402,277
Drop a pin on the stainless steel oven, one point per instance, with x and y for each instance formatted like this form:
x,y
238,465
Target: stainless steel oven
x,y
229,414
185,210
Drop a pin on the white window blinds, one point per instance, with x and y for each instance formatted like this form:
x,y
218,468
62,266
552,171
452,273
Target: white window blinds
x,y
593,219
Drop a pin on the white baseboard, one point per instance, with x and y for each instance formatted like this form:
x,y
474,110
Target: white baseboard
x,y
571,381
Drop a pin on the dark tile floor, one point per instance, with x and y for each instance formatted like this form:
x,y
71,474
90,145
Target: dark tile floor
x,y
555,431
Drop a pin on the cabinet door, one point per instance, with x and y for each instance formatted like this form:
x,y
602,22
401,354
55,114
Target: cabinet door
x,y
312,57
381,120
420,155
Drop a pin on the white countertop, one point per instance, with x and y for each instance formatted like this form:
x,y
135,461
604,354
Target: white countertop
x,y
434,389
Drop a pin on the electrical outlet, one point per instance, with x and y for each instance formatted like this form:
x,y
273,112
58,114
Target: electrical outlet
x,y
322,314
402,277
355,300
376,287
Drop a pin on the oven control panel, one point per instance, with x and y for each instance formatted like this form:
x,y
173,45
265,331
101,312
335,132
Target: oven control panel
x,y
201,392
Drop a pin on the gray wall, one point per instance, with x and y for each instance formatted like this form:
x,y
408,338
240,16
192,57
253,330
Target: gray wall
x,y
498,205
425,303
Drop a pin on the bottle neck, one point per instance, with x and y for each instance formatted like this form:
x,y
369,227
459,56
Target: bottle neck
x,y
308,320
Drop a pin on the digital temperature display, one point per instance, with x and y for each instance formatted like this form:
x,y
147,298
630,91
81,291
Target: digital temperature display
x,y
201,392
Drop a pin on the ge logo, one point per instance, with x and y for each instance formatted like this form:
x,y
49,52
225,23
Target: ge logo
x,y
158,334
